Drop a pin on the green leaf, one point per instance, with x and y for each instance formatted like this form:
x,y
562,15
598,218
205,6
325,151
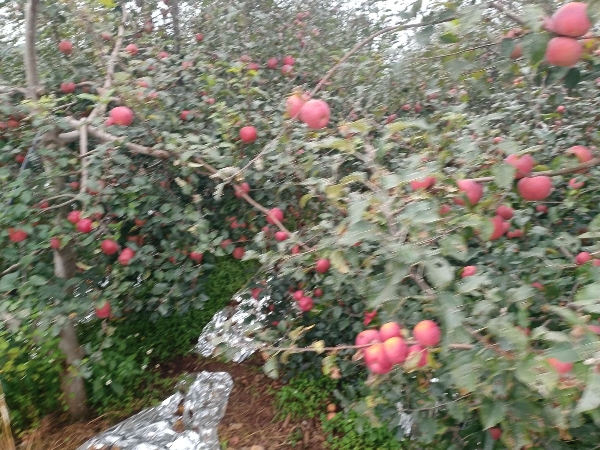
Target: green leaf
x,y
573,77
108,3
492,413
534,46
8,282
271,368
504,175
305,199
591,396
353,177
439,272
338,144
449,38
455,247
37,280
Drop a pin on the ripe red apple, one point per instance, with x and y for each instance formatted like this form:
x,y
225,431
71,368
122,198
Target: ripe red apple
x,y
322,265
289,61
574,184
415,350
582,153
369,316
395,349
109,247
199,37
561,109
524,164
275,214
468,271
295,249
541,209
418,108
184,114
306,304
315,114
84,225
389,330
126,256
539,286
74,217
582,258
248,134
535,188
427,333
241,189
425,183
497,140
67,88
210,101
132,49
196,256
226,242
376,360
367,337
391,118
472,189
121,115
559,366
319,292
163,55
272,63
293,105
20,159
515,234
238,252
571,20
298,295
65,47
596,262
445,209
55,243
499,228
286,69
517,52
506,212
281,236
17,235
103,310
253,66
495,433
563,51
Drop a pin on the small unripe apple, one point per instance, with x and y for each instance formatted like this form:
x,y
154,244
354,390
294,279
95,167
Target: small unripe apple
x,y
468,271
322,265
109,247
582,258
559,366
427,333
65,47
389,330
74,217
248,134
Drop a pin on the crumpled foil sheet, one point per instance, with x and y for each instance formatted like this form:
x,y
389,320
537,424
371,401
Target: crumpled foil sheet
x,y
187,420
231,326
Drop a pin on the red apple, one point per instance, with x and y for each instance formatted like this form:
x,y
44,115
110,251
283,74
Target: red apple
x,y
468,271
298,295
315,114
535,188
103,310
184,114
248,134
293,105
286,69
163,55
17,235
559,366
67,88
427,333
20,159
499,228
238,252
424,183
322,265
582,258
253,66
275,214
495,433
121,115
445,209
199,37
109,247
132,49
295,249
416,350
369,316
74,217
281,236
319,292
506,212
563,51
497,140
571,19
84,225
289,61
524,164
472,189
541,209
396,350
574,184
389,330
126,256
196,256
272,63
106,35
65,47
306,304
55,243
376,360
367,337
241,189
515,234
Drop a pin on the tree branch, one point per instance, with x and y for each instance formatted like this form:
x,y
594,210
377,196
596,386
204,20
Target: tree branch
x,y
31,72
175,17
83,149
507,13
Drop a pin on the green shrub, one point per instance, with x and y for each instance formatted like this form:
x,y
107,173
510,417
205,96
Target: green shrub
x,y
304,397
348,432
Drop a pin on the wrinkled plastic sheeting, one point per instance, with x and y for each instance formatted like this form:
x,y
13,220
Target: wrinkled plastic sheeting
x,y
231,326
187,420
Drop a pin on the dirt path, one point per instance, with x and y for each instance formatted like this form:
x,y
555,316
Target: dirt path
x,y
249,423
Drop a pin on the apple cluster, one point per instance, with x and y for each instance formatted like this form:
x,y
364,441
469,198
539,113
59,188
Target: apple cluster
x,y
570,22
